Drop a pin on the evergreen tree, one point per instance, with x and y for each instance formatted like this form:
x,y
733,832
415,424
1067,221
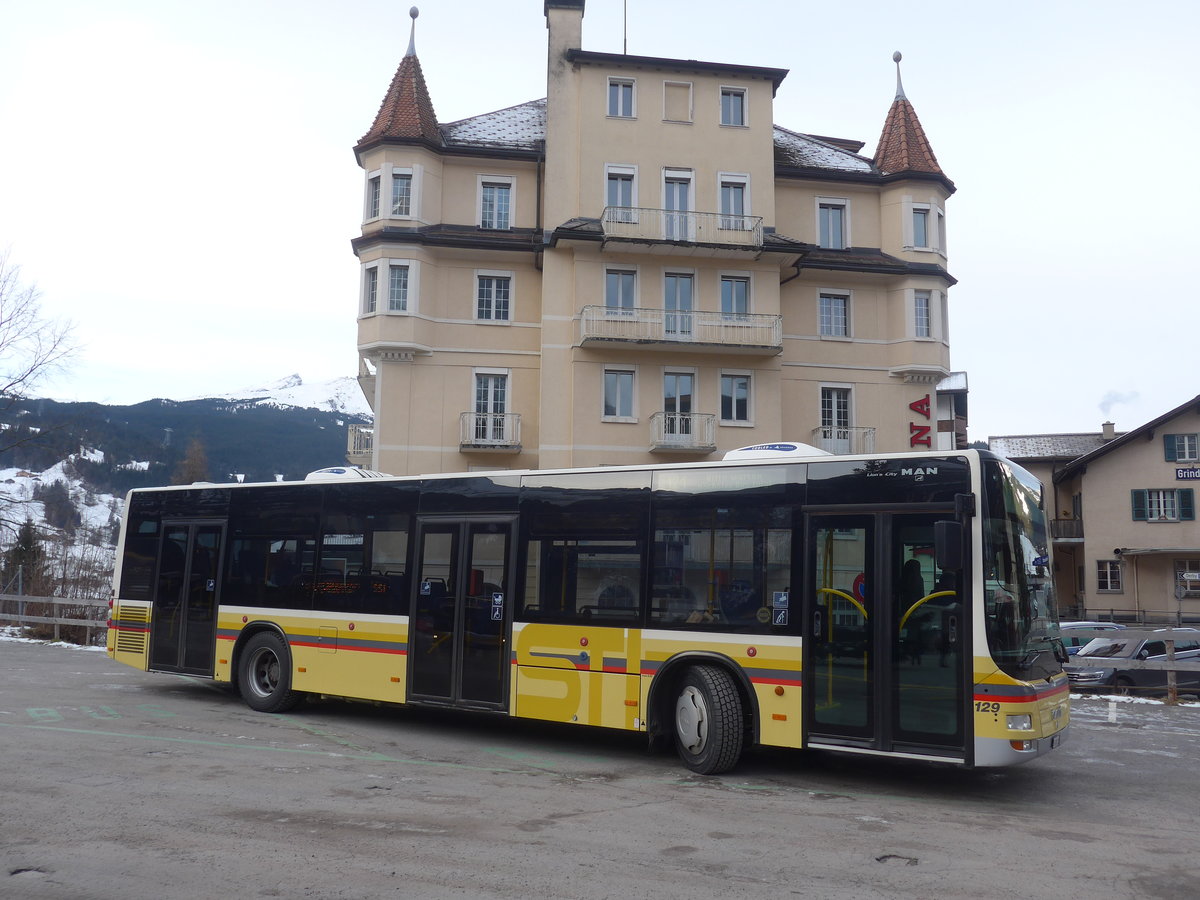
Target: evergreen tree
x,y
23,565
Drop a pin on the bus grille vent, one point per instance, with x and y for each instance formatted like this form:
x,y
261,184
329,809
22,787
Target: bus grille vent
x,y
131,642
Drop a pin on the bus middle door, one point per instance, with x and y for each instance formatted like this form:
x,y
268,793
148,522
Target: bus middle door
x,y
458,645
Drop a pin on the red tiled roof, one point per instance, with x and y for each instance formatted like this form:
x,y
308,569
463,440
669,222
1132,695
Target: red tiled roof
x,y
903,146
406,111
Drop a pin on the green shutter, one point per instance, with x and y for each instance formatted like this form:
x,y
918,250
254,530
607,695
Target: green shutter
x,y
1139,505
1187,507
1170,447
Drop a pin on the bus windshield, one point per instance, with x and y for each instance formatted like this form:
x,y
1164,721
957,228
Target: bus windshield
x,y
1020,608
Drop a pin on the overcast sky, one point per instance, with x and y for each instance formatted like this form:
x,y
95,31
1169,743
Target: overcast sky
x,y
177,177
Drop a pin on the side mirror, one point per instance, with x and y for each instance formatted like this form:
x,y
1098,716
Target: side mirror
x,y
948,545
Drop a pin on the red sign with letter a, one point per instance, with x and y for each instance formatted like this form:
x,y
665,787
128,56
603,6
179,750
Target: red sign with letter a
x,y
919,435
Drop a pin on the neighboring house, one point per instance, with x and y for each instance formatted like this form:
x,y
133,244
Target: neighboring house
x,y
1124,524
643,266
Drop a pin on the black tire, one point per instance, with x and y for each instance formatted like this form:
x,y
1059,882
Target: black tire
x,y
707,717
1124,685
265,674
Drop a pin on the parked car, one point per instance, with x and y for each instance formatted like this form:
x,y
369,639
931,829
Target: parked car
x,y
1098,664
1072,640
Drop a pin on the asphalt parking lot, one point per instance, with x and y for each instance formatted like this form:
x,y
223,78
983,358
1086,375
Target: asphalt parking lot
x,y
119,783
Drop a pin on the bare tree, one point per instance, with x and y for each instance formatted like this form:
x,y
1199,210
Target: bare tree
x,y
194,466
31,345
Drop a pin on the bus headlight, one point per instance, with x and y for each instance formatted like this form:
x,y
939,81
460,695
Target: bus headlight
x,y
1020,723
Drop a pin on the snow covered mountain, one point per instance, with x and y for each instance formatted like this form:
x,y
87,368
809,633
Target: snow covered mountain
x,y
67,466
339,395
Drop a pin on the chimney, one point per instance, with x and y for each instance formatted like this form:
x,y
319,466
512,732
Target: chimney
x,y
1108,431
564,19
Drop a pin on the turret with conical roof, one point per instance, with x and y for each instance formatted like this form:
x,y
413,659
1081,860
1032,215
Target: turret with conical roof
x,y
406,114
903,146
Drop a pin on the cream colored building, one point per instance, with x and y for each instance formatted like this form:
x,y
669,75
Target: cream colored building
x,y
643,266
1124,527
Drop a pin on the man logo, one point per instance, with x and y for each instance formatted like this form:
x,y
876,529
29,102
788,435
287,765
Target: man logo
x,y
920,471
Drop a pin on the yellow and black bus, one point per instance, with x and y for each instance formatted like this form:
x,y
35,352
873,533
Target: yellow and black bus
x,y
891,605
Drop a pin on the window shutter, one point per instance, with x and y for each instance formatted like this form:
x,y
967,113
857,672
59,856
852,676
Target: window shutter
x,y
1187,507
1170,446
1139,505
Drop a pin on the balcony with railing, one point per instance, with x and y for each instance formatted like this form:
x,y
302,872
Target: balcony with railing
x,y
714,231
683,432
843,440
360,440
694,330
1066,529
500,432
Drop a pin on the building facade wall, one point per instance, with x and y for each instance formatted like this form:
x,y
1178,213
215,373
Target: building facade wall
x,y
427,359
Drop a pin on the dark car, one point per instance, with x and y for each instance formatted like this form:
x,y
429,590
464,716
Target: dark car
x,y
1099,663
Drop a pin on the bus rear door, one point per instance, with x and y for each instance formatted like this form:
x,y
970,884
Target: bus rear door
x,y
183,626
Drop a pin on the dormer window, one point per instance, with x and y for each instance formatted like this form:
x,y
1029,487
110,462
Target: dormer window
x,y
831,223
495,202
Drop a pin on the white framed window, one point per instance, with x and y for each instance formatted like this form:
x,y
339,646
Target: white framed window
x,y
389,286
920,225
496,207
733,106
736,397
1108,576
620,192
402,193
735,294
620,291
677,101
833,223
397,288
924,226
922,314
678,299
370,290
677,203
622,98
491,404
374,188
734,195
619,394
391,192
493,295
1159,505
1180,448
679,398
833,314
836,418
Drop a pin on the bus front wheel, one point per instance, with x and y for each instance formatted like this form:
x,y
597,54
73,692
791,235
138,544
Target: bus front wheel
x,y
265,674
708,720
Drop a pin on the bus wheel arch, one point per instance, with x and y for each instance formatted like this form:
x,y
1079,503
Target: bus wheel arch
x,y
704,706
262,666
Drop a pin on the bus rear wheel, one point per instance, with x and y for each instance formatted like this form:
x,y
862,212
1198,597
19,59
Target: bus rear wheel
x,y
265,674
708,720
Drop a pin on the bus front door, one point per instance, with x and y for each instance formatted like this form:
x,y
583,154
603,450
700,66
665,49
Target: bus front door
x,y
458,631
885,637
183,627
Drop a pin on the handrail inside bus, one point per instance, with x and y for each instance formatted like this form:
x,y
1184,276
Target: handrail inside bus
x,y
912,609
862,609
